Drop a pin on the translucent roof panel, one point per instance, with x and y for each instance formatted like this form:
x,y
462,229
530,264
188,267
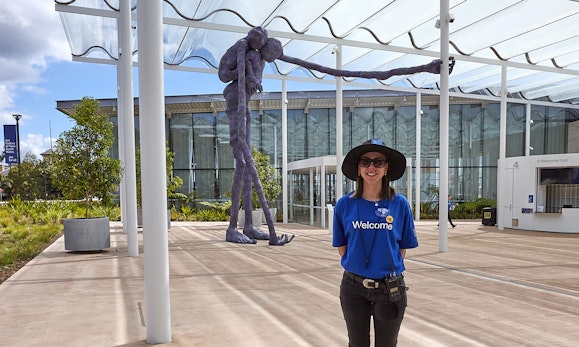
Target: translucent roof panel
x,y
537,40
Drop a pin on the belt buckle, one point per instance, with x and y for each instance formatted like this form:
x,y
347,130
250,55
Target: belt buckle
x,y
370,283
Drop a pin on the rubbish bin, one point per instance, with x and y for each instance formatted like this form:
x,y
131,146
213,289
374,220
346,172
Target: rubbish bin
x,y
489,216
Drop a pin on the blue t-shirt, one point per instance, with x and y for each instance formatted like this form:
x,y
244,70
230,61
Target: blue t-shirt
x,y
373,233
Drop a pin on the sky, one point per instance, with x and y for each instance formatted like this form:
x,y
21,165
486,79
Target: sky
x,y
36,70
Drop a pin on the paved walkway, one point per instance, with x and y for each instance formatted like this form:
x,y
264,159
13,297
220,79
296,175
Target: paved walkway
x,y
492,288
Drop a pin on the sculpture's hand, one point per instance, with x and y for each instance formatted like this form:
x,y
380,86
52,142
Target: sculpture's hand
x,y
451,63
253,85
281,240
435,66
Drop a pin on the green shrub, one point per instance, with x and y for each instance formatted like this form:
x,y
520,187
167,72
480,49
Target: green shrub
x,y
465,210
212,215
21,238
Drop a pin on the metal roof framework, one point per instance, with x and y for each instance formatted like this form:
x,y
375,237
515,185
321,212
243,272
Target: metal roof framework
x,y
537,40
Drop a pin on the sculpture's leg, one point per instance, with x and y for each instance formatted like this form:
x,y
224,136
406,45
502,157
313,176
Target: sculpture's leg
x,y
232,234
235,134
248,228
274,240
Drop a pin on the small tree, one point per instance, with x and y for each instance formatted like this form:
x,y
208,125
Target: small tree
x,y
173,182
27,178
270,182
83,167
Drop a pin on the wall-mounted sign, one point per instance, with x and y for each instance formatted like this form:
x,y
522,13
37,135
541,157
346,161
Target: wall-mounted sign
x,y
526,210
530,199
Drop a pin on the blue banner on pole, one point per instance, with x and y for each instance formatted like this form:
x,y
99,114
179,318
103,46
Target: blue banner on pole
x,y
10,144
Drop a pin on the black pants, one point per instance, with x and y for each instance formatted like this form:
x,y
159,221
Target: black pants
x,y
359,303
450,220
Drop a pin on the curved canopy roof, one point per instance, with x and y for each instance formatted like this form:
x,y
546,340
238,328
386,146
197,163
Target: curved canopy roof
x,y
537,40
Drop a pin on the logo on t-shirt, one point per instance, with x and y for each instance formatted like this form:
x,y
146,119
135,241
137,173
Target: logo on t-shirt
x,y
381,212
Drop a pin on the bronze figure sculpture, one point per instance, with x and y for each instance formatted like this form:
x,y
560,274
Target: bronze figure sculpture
x,y
242,67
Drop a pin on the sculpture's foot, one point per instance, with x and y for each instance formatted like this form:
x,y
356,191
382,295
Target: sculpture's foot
x,y
232,235
281,240
253,233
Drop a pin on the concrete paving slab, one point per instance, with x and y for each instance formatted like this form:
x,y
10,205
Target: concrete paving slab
x,y
492,288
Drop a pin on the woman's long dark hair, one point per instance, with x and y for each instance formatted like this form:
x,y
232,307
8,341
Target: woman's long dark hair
x,y
387,192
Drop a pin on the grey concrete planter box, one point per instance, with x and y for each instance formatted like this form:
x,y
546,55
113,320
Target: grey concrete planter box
x,y
140,218
273,212
256,216
87,234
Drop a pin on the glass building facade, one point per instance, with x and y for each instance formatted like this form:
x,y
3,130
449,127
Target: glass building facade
x,y
197,131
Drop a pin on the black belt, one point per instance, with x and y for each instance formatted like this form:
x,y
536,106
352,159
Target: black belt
x,y
371,283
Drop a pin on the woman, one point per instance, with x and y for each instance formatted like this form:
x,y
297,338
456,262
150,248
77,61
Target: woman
x,y
373,227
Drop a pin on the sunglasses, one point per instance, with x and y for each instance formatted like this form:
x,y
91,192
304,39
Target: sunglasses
x,y
378,163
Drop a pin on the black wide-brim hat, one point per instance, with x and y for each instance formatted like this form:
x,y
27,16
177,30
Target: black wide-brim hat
x,y
396,160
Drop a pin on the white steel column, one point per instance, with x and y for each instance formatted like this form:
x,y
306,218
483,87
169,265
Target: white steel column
x,y
502,149
409,179
121,137
528,130
322,201
152,126
127,119
284,179
339,116
444,122
418,146
311,197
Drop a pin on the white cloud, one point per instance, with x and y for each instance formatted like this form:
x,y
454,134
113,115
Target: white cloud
x,y
6,95
31,36
35,144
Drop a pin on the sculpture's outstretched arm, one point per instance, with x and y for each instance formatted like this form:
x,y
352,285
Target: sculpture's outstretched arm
x,y
432,67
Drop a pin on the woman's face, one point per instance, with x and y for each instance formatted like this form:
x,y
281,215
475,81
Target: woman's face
x,y
372,166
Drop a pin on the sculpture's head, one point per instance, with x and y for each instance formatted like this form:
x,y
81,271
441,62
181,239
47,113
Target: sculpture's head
x,y
272,50
257,37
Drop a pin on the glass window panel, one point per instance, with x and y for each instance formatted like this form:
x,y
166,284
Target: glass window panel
x,y
538,119
188,177
318,130
271,136
255,130
204,141
556,131
490,135
430,130
205,184
181,140
405,131
516,130
225,180
224,152
297,140
548,130
362,126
